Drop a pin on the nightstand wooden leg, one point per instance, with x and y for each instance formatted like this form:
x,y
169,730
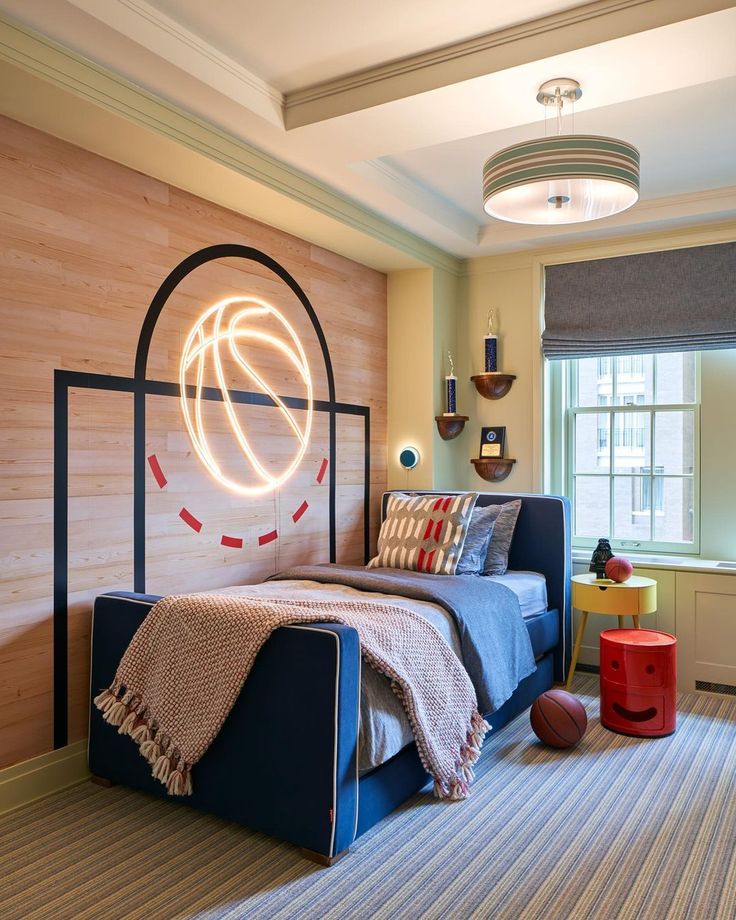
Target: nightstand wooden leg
x,y
621,624
635,618
576,649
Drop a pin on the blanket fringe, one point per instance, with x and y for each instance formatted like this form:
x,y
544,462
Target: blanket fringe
x,y
141,733
126,726
457,787
161,769
180,780
127,712
151,751
115,715
105,700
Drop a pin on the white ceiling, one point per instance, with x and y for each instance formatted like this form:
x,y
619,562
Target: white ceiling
x,y
293,44
409,140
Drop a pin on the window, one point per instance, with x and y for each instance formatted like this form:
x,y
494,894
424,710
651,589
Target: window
x,y
626,449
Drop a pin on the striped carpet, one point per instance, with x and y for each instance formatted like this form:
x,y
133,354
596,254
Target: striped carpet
x,y
617,828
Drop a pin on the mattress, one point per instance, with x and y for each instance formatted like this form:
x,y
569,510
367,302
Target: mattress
x,y
529,587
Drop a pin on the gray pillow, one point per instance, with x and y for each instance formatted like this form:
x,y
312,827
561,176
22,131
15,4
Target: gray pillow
x,y
497,555
475,548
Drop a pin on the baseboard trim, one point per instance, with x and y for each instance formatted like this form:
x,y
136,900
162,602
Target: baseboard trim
x,y
588,668
41,776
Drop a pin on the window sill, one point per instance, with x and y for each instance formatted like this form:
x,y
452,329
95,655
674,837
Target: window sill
x,y
674,563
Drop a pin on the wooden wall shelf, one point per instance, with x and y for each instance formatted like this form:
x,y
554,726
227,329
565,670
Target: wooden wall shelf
x,y
450,426
493,469
493,385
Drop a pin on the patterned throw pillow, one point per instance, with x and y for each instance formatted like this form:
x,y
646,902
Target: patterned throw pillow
x,y
424,533
497,556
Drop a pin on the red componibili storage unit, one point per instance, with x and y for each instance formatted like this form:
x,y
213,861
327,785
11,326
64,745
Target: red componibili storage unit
x,y
639,682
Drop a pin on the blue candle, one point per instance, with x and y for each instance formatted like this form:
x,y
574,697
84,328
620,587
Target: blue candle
x,y
451,385
491,342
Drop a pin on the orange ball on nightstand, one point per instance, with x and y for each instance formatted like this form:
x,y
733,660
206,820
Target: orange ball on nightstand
x,y
619,569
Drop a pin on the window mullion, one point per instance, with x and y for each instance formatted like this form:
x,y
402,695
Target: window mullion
x,y
651,464
611,493
614,380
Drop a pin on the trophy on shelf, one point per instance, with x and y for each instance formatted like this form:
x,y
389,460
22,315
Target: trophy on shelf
x,y
451,388
491,344
450,424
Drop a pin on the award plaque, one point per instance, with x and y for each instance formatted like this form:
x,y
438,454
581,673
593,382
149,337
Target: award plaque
x,y
492,442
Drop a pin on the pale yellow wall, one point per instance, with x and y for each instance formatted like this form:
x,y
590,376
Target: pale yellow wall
x,y
447,292
423,310
505,283
410,375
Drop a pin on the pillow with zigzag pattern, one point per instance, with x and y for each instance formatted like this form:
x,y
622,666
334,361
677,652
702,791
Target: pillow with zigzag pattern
x,y
424,533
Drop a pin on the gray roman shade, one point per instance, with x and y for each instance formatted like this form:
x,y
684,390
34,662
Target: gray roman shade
x,y
679,300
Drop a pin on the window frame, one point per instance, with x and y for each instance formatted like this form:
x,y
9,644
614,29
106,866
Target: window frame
x,y
562,378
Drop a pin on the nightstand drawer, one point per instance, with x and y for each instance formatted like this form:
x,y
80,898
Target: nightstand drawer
x,y
623,599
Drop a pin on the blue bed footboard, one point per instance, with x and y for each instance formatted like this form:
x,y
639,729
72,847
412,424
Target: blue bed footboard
x,y
285,761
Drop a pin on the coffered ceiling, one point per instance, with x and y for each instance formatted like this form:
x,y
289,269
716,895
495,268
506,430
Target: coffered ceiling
x,y
397,103
293,45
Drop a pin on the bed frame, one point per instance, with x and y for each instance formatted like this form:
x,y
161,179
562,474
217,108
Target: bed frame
x,y
286,759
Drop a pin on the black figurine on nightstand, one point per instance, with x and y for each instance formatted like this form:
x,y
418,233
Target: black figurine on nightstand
x,y
601,554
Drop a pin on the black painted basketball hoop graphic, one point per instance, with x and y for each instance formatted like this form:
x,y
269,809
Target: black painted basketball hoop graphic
x,y
141,387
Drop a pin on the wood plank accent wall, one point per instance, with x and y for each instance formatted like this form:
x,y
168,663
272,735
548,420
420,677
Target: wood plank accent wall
x,y
84,245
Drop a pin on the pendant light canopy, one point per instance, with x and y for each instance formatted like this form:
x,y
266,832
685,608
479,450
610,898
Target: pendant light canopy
x,y
565,179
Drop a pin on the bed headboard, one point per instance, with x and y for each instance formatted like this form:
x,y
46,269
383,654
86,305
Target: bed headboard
x,y
541,544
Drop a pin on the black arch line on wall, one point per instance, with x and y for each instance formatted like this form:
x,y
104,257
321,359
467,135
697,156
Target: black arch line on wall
x,y
141,387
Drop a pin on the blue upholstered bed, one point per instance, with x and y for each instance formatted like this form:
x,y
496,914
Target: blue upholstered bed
x,y
303,785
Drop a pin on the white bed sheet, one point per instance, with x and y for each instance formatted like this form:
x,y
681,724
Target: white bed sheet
x,y
529,587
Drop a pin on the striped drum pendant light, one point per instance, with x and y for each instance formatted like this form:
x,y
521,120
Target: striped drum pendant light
x,y
565,179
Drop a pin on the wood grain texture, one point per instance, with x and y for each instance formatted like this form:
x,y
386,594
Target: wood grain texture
x,y
84,245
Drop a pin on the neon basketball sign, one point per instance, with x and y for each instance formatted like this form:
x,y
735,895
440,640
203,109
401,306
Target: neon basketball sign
x,y
233,323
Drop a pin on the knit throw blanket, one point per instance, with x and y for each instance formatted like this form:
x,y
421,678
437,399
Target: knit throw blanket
x,y
185,666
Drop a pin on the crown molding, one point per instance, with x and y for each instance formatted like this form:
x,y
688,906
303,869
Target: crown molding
x,y
405,187
568,30
149,27
649,214
27,49
644,240
700,234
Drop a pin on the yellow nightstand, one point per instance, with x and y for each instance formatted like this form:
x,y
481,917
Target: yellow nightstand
x,y
631,598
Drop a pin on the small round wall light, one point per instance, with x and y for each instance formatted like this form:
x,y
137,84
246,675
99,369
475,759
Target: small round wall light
x,y
409,457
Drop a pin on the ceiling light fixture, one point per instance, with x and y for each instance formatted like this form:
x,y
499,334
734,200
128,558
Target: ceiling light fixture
x,y
563,179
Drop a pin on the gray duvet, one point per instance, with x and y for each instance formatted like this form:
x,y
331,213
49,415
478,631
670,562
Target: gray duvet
x,y
479,619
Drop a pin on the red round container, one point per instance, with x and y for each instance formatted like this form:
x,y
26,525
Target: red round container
x,y
639,682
